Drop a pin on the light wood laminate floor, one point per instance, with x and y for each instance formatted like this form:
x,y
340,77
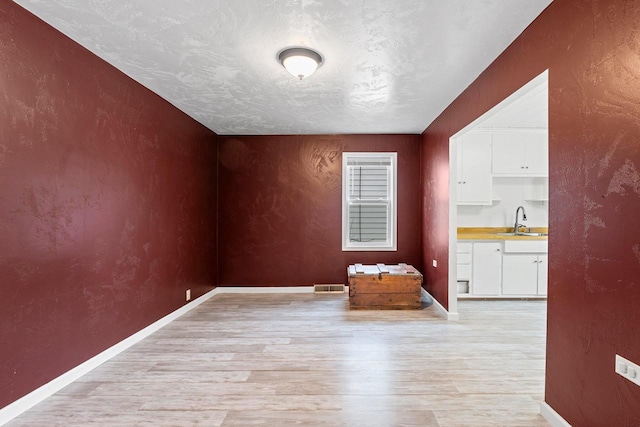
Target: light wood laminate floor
x,y
305,359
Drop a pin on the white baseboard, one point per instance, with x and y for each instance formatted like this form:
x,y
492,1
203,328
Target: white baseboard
x,y
552,416
439,307
264,290
25,403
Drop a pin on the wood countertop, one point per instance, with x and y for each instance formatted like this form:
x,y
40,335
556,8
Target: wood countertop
x,y
491,233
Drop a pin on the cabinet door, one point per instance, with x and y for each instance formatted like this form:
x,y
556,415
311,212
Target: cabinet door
x,y
537,153
543,274
507,153
474,173
487,260
520,275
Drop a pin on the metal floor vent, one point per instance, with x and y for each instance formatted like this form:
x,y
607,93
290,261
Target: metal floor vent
x,y
328,288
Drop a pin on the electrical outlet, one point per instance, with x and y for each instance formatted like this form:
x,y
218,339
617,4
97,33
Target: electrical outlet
x,y
628,370
188,294
435,263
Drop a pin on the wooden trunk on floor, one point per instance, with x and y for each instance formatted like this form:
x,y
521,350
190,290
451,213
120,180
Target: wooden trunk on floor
x,y
384,287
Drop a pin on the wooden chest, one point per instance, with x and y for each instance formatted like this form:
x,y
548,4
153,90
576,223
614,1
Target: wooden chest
x,y
384,287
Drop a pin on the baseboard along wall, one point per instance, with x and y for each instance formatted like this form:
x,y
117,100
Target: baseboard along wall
x,y
453,316
552,416
25,403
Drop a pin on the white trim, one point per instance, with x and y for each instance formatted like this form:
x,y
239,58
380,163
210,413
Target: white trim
x,y
448,315
391,245
25,403
514,130
453,224
502,297
265,289
534,84
552,416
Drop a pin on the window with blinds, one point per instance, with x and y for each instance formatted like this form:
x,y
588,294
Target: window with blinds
x,y
369,201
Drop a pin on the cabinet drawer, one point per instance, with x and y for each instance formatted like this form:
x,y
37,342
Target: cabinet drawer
x,y
464,259
464,271
464,247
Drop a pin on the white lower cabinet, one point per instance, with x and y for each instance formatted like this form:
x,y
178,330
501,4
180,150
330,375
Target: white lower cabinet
x,y
520,274
464,261
524,268
465,249
511,268
487,264
543,274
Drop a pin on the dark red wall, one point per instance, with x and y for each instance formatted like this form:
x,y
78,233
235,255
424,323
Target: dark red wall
x,y
107,205
281,208
434,211
592,51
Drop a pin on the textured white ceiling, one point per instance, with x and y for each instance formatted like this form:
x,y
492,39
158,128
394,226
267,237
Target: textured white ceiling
x,y
391,66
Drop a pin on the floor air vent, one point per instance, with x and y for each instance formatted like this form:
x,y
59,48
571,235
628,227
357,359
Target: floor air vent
x,y
328,288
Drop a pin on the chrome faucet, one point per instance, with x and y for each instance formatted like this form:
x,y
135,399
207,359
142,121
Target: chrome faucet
x,y
516,226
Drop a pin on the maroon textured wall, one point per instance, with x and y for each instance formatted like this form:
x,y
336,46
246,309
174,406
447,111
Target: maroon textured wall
x,y
281,208
107,205
434,211
591,49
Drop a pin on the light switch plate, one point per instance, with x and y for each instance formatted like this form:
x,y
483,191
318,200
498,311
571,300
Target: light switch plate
x,y
628,370
435,263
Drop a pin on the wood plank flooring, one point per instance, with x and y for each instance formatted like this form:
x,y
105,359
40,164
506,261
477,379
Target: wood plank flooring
x,y
305,359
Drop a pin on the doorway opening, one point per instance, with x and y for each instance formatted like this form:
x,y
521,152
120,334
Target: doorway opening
x,y
499,163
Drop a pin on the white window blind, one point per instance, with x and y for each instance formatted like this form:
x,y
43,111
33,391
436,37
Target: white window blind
x,y
369,201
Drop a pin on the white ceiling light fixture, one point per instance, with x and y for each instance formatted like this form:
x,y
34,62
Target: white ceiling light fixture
x,y
301,62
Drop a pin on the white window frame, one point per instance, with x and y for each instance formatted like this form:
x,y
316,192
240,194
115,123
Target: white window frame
x,y
391,243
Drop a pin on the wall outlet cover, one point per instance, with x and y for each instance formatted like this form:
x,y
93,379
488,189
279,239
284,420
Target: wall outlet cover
x,y
188,294
628,369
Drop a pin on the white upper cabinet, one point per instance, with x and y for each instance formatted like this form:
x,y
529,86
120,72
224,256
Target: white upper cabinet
x,y
517,153
537,153
474,181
